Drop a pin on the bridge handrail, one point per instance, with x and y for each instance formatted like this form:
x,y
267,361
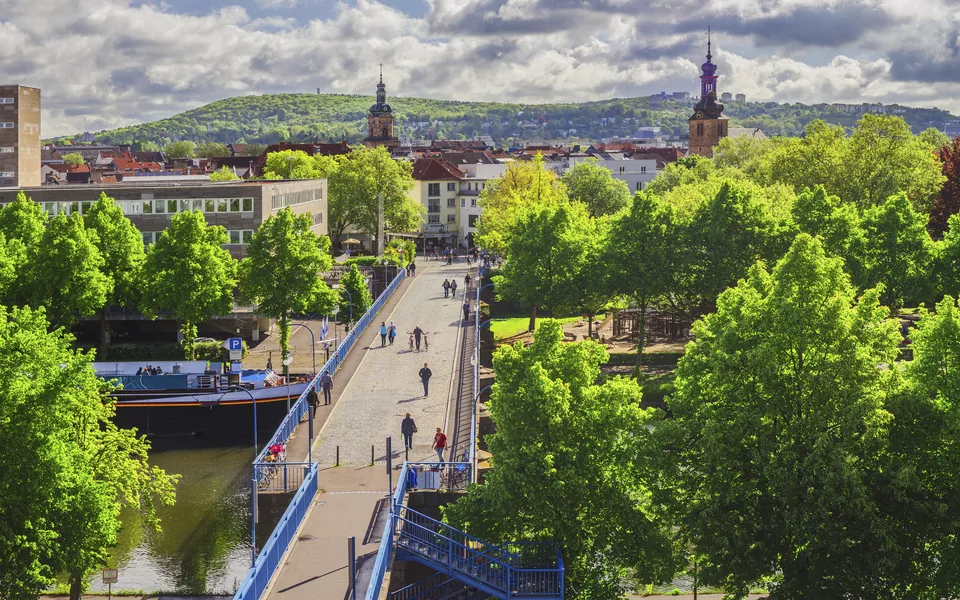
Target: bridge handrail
x,y
299,408
269,558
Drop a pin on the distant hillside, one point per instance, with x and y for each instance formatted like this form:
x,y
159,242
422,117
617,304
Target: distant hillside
x,y
331,117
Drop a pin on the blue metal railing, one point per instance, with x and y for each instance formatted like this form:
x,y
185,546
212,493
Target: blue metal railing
x,y
269,558
272,476
299,408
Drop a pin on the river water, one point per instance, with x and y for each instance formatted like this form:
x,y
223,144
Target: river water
x,y
204,545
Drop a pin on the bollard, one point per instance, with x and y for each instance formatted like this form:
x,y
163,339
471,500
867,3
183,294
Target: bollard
x,y
371,455
338,456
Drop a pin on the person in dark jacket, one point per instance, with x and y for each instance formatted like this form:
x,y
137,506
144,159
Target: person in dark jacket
x,y
326,384
417,334
425,375
313,400
408,428
446,288
466,311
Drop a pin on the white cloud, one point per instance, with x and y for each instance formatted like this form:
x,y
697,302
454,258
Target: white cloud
x,y
120,63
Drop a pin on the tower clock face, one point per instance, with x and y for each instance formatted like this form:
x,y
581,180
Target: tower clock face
x,y
699,115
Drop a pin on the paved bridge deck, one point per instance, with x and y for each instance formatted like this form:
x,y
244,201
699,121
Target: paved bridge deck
x,y
373,391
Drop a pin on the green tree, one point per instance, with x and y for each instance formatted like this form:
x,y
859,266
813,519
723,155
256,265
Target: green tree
x,y
281,272
183,149
546,246
67,469
836,223
357,182
947,259
934,139
121,246
558,431
223,174
642,255
73,158
24,220
290,164
66,273
188,273
723,239
770,461
522,185
354,296
22,223
145,146
595,186
211,150
252,150
898,251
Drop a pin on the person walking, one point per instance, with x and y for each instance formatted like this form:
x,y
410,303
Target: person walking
x,y
326,384
408,428
413,267
383,334
453,287
446,288
417,334
466,281
425,375
313,401
466,310
439,443
392,332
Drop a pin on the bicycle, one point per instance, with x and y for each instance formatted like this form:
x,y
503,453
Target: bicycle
x,y
411,341
455,476
426,342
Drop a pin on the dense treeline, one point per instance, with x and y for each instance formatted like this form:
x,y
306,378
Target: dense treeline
x,y
307,117
800,454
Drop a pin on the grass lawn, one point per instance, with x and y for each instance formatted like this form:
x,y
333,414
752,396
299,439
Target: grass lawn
x,y
504,327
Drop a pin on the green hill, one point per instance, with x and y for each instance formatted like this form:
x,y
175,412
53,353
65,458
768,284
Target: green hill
x,y
332,117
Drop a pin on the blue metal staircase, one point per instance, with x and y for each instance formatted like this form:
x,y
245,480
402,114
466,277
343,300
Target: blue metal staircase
x,y
525,570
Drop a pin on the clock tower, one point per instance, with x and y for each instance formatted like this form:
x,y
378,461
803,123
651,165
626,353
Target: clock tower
x,y
707,125
380,120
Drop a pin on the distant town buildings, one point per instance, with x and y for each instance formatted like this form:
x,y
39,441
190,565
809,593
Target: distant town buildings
x,y
19,136
952,129
726,97
740,98
859,109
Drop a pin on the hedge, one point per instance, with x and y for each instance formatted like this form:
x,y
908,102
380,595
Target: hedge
x,y
209,351
625,359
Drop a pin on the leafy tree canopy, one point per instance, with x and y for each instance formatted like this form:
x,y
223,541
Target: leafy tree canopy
x,y
223,174
595,186
73,158
182,149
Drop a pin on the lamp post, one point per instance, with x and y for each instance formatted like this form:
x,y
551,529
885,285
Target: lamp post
x,y
313,344
349,295
253,480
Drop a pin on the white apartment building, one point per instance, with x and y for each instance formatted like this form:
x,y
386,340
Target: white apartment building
x,y
478,169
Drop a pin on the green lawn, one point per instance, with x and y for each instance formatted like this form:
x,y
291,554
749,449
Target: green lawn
x,y
504,327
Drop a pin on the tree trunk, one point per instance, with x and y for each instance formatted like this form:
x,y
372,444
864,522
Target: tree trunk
x,y
533,319
76,586
641,337
103,334
589,326
283,328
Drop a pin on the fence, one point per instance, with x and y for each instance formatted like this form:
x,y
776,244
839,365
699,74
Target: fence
x,y
269,476
299,408
269,558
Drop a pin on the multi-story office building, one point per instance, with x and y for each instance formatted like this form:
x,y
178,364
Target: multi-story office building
x,y
19,136
240,207
437,187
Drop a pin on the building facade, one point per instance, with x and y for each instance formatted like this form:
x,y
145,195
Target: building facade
x,y
707,124
380,121
436,185
19,136
239,207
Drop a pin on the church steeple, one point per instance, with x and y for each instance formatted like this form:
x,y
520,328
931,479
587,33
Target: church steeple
x,y
381,90
707,125
380,119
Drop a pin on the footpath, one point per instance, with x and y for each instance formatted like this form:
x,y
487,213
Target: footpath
x,y
373,391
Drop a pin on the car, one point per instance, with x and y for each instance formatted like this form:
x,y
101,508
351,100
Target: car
x,y
203,339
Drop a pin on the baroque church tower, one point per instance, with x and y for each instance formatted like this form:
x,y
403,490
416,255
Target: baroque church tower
x,y
707,125
380,120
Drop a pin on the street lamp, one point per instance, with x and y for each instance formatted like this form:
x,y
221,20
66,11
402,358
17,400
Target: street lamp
x,y
253,481
313,344
349,295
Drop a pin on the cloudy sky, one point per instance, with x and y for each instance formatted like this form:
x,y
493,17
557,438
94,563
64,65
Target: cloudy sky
x,y
105,63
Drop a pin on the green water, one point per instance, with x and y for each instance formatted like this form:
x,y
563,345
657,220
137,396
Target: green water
x,y
204,547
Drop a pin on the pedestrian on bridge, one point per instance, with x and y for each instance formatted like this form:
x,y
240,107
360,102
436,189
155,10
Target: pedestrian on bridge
x,y
439,443
425,375
326,384
392,332
383,333
446,288
313,400
408,428
466,310
417,333
453,287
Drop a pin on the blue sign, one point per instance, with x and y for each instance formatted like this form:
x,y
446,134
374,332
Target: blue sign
x,y
234,344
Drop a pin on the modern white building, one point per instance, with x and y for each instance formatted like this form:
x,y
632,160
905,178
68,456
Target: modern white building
x,y
478,169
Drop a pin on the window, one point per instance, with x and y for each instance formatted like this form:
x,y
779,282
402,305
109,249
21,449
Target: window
x,y
622,169
451,187
472,220
247,236
222,204
147,207
638,186
473,201
434,206
85,207
234,237
248,203
172,206
451,202
463,202
6,149
184,205
451,218
6,173
234,204
209,205
6,100
643,169
7,125
433,189
433,218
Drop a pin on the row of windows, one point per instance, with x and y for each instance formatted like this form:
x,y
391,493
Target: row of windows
x,y
642,169
436,218
238,237
159,207
7,100
293,198
433,189
7,125
463,201
477,185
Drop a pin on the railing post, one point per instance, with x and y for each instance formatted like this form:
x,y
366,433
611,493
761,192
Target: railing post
x,y
352,562
253,520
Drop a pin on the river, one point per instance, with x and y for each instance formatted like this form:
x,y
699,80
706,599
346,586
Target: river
x,y
204,545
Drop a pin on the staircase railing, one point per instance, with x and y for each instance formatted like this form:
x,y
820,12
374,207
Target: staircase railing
x,y
433,586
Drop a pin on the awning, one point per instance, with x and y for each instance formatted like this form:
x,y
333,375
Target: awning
x,y
351,241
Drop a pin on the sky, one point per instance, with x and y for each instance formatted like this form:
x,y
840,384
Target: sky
x,y
106,63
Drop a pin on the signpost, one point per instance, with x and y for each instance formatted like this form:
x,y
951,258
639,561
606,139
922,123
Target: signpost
x,y
235,346
110,577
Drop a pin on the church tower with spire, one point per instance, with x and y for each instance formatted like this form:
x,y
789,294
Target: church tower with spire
x,y
707,125
380,120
